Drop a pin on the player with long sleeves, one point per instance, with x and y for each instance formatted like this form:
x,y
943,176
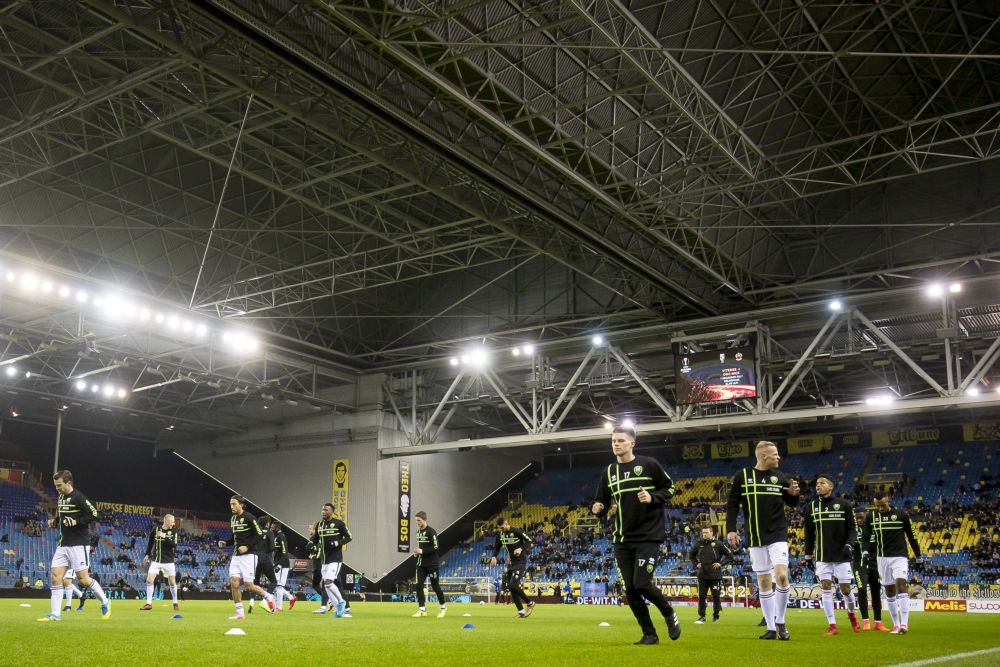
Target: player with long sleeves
x,y
331,536
831,530
75,514
428,561
243,563
282,566
632,493
161,554
763,492
887,531
517,545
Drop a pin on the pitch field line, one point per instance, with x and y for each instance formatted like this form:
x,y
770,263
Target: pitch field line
x,y
948,658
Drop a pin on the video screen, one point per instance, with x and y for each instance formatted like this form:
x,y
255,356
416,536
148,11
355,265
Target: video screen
x,y
722,375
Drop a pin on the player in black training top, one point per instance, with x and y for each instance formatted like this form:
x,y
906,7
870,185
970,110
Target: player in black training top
x,y
831,529
331,536
763,492
632,493
866,578
75,514
161,553
282,566
517,545
886,533
427,565
246,540
265,566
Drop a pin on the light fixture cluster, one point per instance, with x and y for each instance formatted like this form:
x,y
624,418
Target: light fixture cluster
x,y
527,350
938,290
476,358
107,390
881,400
624,423
119,310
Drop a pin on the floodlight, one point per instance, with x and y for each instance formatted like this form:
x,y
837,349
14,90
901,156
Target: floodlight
x,y
516,352
11,371
201,330
453,361
836,305
597,341
528,349
109,390
935,290
122,393
81,385
972,391
81,297
628,423
47,287
955,288
608,425
64,291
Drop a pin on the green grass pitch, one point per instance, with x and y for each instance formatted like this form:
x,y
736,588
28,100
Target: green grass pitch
x,y
384,634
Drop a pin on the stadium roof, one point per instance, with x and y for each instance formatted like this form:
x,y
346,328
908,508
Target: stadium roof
x,y
372,186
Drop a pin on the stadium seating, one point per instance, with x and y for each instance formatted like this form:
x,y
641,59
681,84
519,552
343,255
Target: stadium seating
x,y
118,554
924,478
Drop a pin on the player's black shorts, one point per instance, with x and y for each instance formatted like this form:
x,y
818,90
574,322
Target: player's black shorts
x,y
427,572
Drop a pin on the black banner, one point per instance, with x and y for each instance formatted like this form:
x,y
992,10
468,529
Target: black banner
x,y
403,506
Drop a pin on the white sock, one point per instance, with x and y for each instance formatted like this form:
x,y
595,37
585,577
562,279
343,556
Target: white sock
x,y
827,599
334,593
767,608
288,596
891,603
98,592
77,592
69,594
56,602
780,604
239,607
279,595
173,593
149,593
852,603
903,607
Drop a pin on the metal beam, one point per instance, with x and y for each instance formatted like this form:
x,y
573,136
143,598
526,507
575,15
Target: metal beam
x,y
713,424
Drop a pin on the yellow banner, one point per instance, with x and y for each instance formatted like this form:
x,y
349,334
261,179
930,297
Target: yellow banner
x,y
340,496
128,509
693,452
810,443
740,449
980,431
903,437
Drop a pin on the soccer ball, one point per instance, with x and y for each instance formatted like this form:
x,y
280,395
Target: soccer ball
x,y
481,602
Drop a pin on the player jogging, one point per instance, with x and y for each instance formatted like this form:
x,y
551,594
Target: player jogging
x,y
161,551
265,566
887,531
427,565
762,492
282,566
243,564
75,514
830,529
331,536
632,493
517,545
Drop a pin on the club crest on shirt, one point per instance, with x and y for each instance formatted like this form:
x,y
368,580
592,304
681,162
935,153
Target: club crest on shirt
x,y
649,568
774,480
893,517
638,470
836,506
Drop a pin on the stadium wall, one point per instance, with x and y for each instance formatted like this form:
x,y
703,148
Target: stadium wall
x,y
287,471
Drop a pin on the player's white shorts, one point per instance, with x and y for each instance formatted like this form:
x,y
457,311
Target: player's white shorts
x,y
828,571
281,575
168,569
330,571
74,558
766,557
891,568
243,566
